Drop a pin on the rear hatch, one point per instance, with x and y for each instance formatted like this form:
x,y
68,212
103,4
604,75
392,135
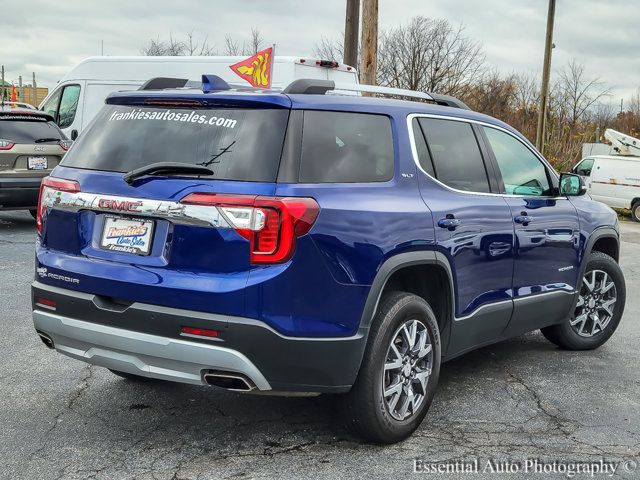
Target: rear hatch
x,y
167,237
31,144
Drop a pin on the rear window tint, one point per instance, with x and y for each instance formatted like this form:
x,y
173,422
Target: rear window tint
x,y
28,131
339,147
237,144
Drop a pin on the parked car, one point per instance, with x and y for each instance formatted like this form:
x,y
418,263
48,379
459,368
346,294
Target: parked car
x,y
311,243
31,145
80,94
613,180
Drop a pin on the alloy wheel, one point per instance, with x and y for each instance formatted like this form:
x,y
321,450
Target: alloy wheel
x,y
407,369
596,303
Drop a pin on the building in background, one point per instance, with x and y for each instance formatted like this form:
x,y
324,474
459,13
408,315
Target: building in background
x,y
27,93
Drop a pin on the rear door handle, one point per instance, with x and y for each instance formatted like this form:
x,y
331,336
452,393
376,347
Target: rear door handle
x,y
523,218
449,223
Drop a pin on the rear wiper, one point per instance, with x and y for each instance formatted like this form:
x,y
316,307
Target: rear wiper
x,y
42,140
166,168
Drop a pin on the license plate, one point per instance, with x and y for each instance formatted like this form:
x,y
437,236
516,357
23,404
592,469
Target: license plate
x,y
128,235
37,163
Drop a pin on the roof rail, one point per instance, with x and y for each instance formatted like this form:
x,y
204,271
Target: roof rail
x,y
309,86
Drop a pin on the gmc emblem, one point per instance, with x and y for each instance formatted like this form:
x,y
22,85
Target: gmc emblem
x,y
119,205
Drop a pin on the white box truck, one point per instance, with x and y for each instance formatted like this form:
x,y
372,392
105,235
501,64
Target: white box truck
x,y
82,91
615,179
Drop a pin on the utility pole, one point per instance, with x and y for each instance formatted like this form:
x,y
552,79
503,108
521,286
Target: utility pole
x,y
351,30
35,90
368,63
546,72
20,93
2,86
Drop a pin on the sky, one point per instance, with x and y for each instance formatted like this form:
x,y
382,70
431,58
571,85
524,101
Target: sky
x,y
50,37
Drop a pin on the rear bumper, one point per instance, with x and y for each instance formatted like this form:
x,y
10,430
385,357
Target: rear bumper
x,y
145,340
140,353
18,192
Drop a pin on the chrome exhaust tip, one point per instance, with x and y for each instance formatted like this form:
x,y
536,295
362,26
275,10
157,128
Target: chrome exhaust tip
x,y
46,339
235,382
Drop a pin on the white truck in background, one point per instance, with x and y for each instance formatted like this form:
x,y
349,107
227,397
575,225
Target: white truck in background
x,y
81,92
615,179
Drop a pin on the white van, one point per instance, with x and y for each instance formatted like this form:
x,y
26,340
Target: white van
x,y
613,180
81,92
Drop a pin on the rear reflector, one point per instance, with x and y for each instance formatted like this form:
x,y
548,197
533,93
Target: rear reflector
x,y
271,224
48,186
199,332
46,303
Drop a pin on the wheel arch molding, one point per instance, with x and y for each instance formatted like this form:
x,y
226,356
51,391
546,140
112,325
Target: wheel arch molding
x,y
403,262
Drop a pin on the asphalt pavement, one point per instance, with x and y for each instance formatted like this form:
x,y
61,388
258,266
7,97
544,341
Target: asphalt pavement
x,y
517,400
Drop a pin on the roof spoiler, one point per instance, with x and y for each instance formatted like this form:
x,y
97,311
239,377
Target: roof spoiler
x,y
309,86
161,83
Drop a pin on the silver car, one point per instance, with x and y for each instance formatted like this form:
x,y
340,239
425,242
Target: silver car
x,y
31,144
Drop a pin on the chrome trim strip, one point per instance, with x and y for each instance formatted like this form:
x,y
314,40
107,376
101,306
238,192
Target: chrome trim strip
x,y
414,152
514,300
199,215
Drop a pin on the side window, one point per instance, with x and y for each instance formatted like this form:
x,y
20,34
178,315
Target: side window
x,y
51,105
584,167
68,105
455,153
522,172
345,147
424,158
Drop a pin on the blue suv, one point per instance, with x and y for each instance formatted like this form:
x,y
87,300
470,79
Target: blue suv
x,y
305,242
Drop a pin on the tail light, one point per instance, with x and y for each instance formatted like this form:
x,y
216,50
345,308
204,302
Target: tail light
x,y
6,145
327,64
48,186
66,144
271,224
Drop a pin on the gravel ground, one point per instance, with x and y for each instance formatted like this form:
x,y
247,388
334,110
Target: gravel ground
x,y
517,400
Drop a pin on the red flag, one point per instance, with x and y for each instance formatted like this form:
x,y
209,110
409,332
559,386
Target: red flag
x,y
256,69
14,96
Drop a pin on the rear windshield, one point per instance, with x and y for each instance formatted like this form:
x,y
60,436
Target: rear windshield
x,y
237,144
29,131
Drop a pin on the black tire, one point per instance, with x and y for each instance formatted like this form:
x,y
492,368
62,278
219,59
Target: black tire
x,y
364,407
635,212
34,213
133,377
565,336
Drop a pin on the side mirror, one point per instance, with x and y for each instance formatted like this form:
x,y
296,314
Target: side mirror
x,y
572,185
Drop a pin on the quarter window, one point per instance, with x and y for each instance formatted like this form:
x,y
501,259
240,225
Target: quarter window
x,y
342,147
455,153
522,172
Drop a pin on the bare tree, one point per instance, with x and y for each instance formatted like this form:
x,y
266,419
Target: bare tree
x,y
255,42
173,47
330,49
576,94
248,47
429,55
231,46
198,48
